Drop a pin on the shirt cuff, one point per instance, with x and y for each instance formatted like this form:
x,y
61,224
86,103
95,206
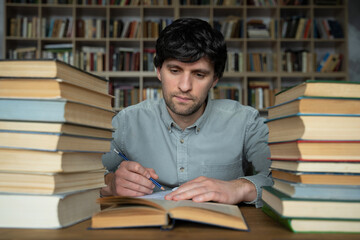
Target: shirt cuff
x,y
257,201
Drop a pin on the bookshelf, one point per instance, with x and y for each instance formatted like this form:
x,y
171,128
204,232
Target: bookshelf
x,y
271,59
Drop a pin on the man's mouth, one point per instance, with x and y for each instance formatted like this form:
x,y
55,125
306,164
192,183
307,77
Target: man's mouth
x,y
182,98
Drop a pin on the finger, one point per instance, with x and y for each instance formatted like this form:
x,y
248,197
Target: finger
x,y
187,193
134,177
183,188
152,173
136,168
123,186
121,191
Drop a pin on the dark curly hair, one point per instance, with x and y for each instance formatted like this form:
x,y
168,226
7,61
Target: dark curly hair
x,y
188,40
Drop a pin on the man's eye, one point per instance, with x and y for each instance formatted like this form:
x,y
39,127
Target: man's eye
x,y
174,70
200,75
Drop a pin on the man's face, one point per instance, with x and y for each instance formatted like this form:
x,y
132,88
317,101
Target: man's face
x,y
186,85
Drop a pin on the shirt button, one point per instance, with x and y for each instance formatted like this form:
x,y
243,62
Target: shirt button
x,y
181,140
182,169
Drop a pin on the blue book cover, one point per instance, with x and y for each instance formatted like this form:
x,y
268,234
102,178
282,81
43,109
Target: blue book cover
x,y
318,191
54,110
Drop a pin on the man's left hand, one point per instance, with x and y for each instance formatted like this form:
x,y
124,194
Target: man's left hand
x,y
203,189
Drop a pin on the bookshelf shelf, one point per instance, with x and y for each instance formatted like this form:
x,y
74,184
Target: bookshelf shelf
x,y
241,46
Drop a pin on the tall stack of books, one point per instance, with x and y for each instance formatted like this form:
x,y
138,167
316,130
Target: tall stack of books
x,y
314,139
55,123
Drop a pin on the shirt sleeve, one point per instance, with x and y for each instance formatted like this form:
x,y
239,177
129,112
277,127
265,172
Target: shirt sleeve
x,y
257,154
110,159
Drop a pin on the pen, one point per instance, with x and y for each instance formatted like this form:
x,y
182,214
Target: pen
x,y
153,180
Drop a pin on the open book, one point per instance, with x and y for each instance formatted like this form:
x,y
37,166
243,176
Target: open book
x,y
126,212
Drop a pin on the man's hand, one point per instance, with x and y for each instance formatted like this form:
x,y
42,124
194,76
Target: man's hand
x,y
203,189
130,179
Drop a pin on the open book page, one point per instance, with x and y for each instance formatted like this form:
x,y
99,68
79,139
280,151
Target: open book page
x,y
223,208
157,195
217,207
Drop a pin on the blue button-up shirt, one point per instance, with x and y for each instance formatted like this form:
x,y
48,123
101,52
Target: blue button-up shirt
x,y
224,143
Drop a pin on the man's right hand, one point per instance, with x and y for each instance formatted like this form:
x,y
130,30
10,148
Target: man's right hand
x,y
130,179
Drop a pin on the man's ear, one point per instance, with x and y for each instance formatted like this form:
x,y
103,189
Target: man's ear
x,y
158,73
216,80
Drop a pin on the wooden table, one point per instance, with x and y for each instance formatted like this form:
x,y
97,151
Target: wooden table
x,y
261,228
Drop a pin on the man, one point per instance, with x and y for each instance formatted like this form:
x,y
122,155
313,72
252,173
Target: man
x,y
204,147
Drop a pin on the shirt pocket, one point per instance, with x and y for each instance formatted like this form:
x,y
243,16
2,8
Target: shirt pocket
x,y
226,172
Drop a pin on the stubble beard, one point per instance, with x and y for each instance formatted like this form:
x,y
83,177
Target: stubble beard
x,y
193,108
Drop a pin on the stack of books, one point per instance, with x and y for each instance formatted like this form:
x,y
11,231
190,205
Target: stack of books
x,y
55,124
314,139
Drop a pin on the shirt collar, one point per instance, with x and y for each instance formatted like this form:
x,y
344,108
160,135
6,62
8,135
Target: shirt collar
x,y
169,122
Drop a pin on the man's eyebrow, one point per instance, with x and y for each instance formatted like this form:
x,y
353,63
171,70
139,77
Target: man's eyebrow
x,y
169,65
202,70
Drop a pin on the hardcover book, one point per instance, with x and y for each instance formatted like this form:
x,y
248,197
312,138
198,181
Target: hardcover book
x,y
47,161
318,165
50,183
58,110
315,225
47,211
310,208
319,88
126,212
52,141
318,191
49,68
335,178
317,106
314,127
331,150
41,88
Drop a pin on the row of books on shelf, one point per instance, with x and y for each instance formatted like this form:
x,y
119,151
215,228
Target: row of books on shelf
x,y
227,91
128,59
297,61
31,27
261,62
235,61
125,96
261,94
152,28
125,2
258,3
125,29
261,3
22,53
294,2
231,27
98,2
314,131
228,2
257,28
124,59
26,27
331,62
91,28
304,61
295,27
51,170
327,29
